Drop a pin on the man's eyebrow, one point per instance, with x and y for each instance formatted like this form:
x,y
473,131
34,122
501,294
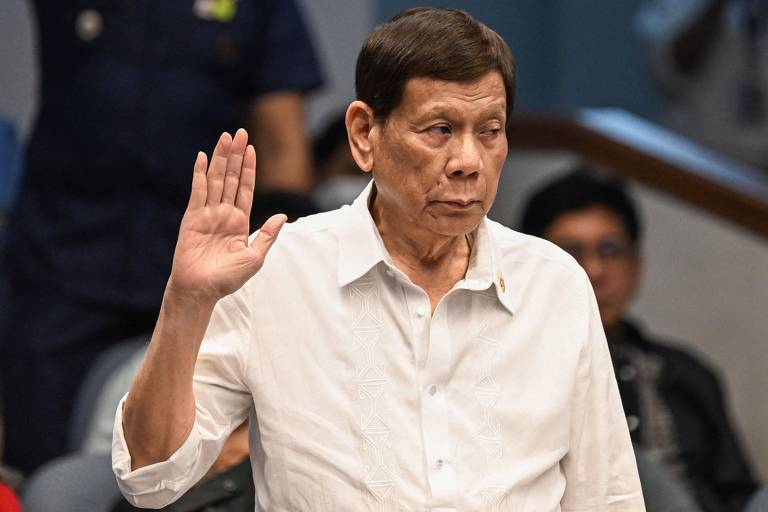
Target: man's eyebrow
x,y
438,110
443,109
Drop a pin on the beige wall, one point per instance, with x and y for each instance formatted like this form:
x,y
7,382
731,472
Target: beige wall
x,y
706,286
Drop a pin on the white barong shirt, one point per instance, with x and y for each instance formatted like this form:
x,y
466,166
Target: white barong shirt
x,y
361,399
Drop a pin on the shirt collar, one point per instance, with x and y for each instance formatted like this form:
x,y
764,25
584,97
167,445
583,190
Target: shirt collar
x,y
361,248
360,245
485,269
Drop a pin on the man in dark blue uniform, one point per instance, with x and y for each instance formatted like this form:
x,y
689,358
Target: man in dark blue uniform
x,y
130,89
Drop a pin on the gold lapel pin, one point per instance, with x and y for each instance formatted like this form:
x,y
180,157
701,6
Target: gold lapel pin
x,y
501,282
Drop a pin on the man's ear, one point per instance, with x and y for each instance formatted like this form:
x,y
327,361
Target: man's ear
x,y
361,122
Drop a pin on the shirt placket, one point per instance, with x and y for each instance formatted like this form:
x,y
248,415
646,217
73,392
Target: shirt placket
x,y
431,335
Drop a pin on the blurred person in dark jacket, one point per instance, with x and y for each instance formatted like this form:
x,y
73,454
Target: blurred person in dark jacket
x,y
673,401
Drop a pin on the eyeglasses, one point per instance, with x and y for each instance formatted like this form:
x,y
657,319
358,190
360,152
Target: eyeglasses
x,y
605,250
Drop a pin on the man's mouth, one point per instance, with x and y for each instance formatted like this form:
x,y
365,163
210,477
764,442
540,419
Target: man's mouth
x,y
460,204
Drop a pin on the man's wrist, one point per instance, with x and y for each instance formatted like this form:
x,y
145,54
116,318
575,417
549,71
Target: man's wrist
x,y
191,302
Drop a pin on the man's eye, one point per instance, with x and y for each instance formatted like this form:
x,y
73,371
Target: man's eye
x,y
440,129
491,131
609,249
574,250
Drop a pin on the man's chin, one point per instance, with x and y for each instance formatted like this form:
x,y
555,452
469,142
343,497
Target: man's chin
x,y
458,223
456,226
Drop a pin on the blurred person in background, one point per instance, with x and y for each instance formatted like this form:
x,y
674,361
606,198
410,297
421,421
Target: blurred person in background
x,y
129,90
339,179
673,401
710,59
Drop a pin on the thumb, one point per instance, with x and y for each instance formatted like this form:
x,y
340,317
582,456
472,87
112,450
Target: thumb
x,y
268,234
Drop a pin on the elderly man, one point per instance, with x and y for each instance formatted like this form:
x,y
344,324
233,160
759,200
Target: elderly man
x,y
401,353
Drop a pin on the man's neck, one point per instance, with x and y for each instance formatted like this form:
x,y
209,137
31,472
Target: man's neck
x,y
433,262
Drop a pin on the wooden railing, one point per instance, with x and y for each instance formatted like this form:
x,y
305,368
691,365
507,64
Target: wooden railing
x,y
632,147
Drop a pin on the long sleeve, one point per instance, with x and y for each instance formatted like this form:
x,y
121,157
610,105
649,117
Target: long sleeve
x,y
222,401
600,469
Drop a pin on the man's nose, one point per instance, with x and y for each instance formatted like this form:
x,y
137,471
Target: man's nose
x,y
594,267
467,156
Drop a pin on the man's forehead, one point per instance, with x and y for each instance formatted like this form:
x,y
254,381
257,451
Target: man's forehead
x,y
594,221
490,83
424,93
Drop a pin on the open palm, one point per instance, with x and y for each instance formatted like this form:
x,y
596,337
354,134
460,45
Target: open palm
x,y
213,257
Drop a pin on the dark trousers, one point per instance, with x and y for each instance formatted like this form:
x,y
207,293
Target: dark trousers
x,y
49,342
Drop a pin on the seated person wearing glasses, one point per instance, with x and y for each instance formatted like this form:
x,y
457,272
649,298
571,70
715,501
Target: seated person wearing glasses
x,y
673,402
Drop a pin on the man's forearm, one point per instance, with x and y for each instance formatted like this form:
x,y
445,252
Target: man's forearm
x,y
277,122
159,412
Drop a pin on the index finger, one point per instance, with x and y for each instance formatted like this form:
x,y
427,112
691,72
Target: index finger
x,y
199,185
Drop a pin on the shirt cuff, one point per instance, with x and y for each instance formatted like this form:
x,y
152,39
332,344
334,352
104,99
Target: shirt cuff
x,y
158,484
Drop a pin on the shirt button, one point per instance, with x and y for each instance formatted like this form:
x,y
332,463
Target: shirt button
x,y
627,373
432,390
229,485
439,464
421,311
633,422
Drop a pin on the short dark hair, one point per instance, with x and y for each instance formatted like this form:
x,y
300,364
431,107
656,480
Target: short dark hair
x,y
578,190
425,42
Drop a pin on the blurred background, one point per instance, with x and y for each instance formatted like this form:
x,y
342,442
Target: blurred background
x,y
584,69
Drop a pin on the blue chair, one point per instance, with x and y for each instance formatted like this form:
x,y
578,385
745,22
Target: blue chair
x,y
759,502
88,393
662,491
73,483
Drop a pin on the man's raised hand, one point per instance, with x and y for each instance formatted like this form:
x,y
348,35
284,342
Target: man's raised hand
x,y
213,257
